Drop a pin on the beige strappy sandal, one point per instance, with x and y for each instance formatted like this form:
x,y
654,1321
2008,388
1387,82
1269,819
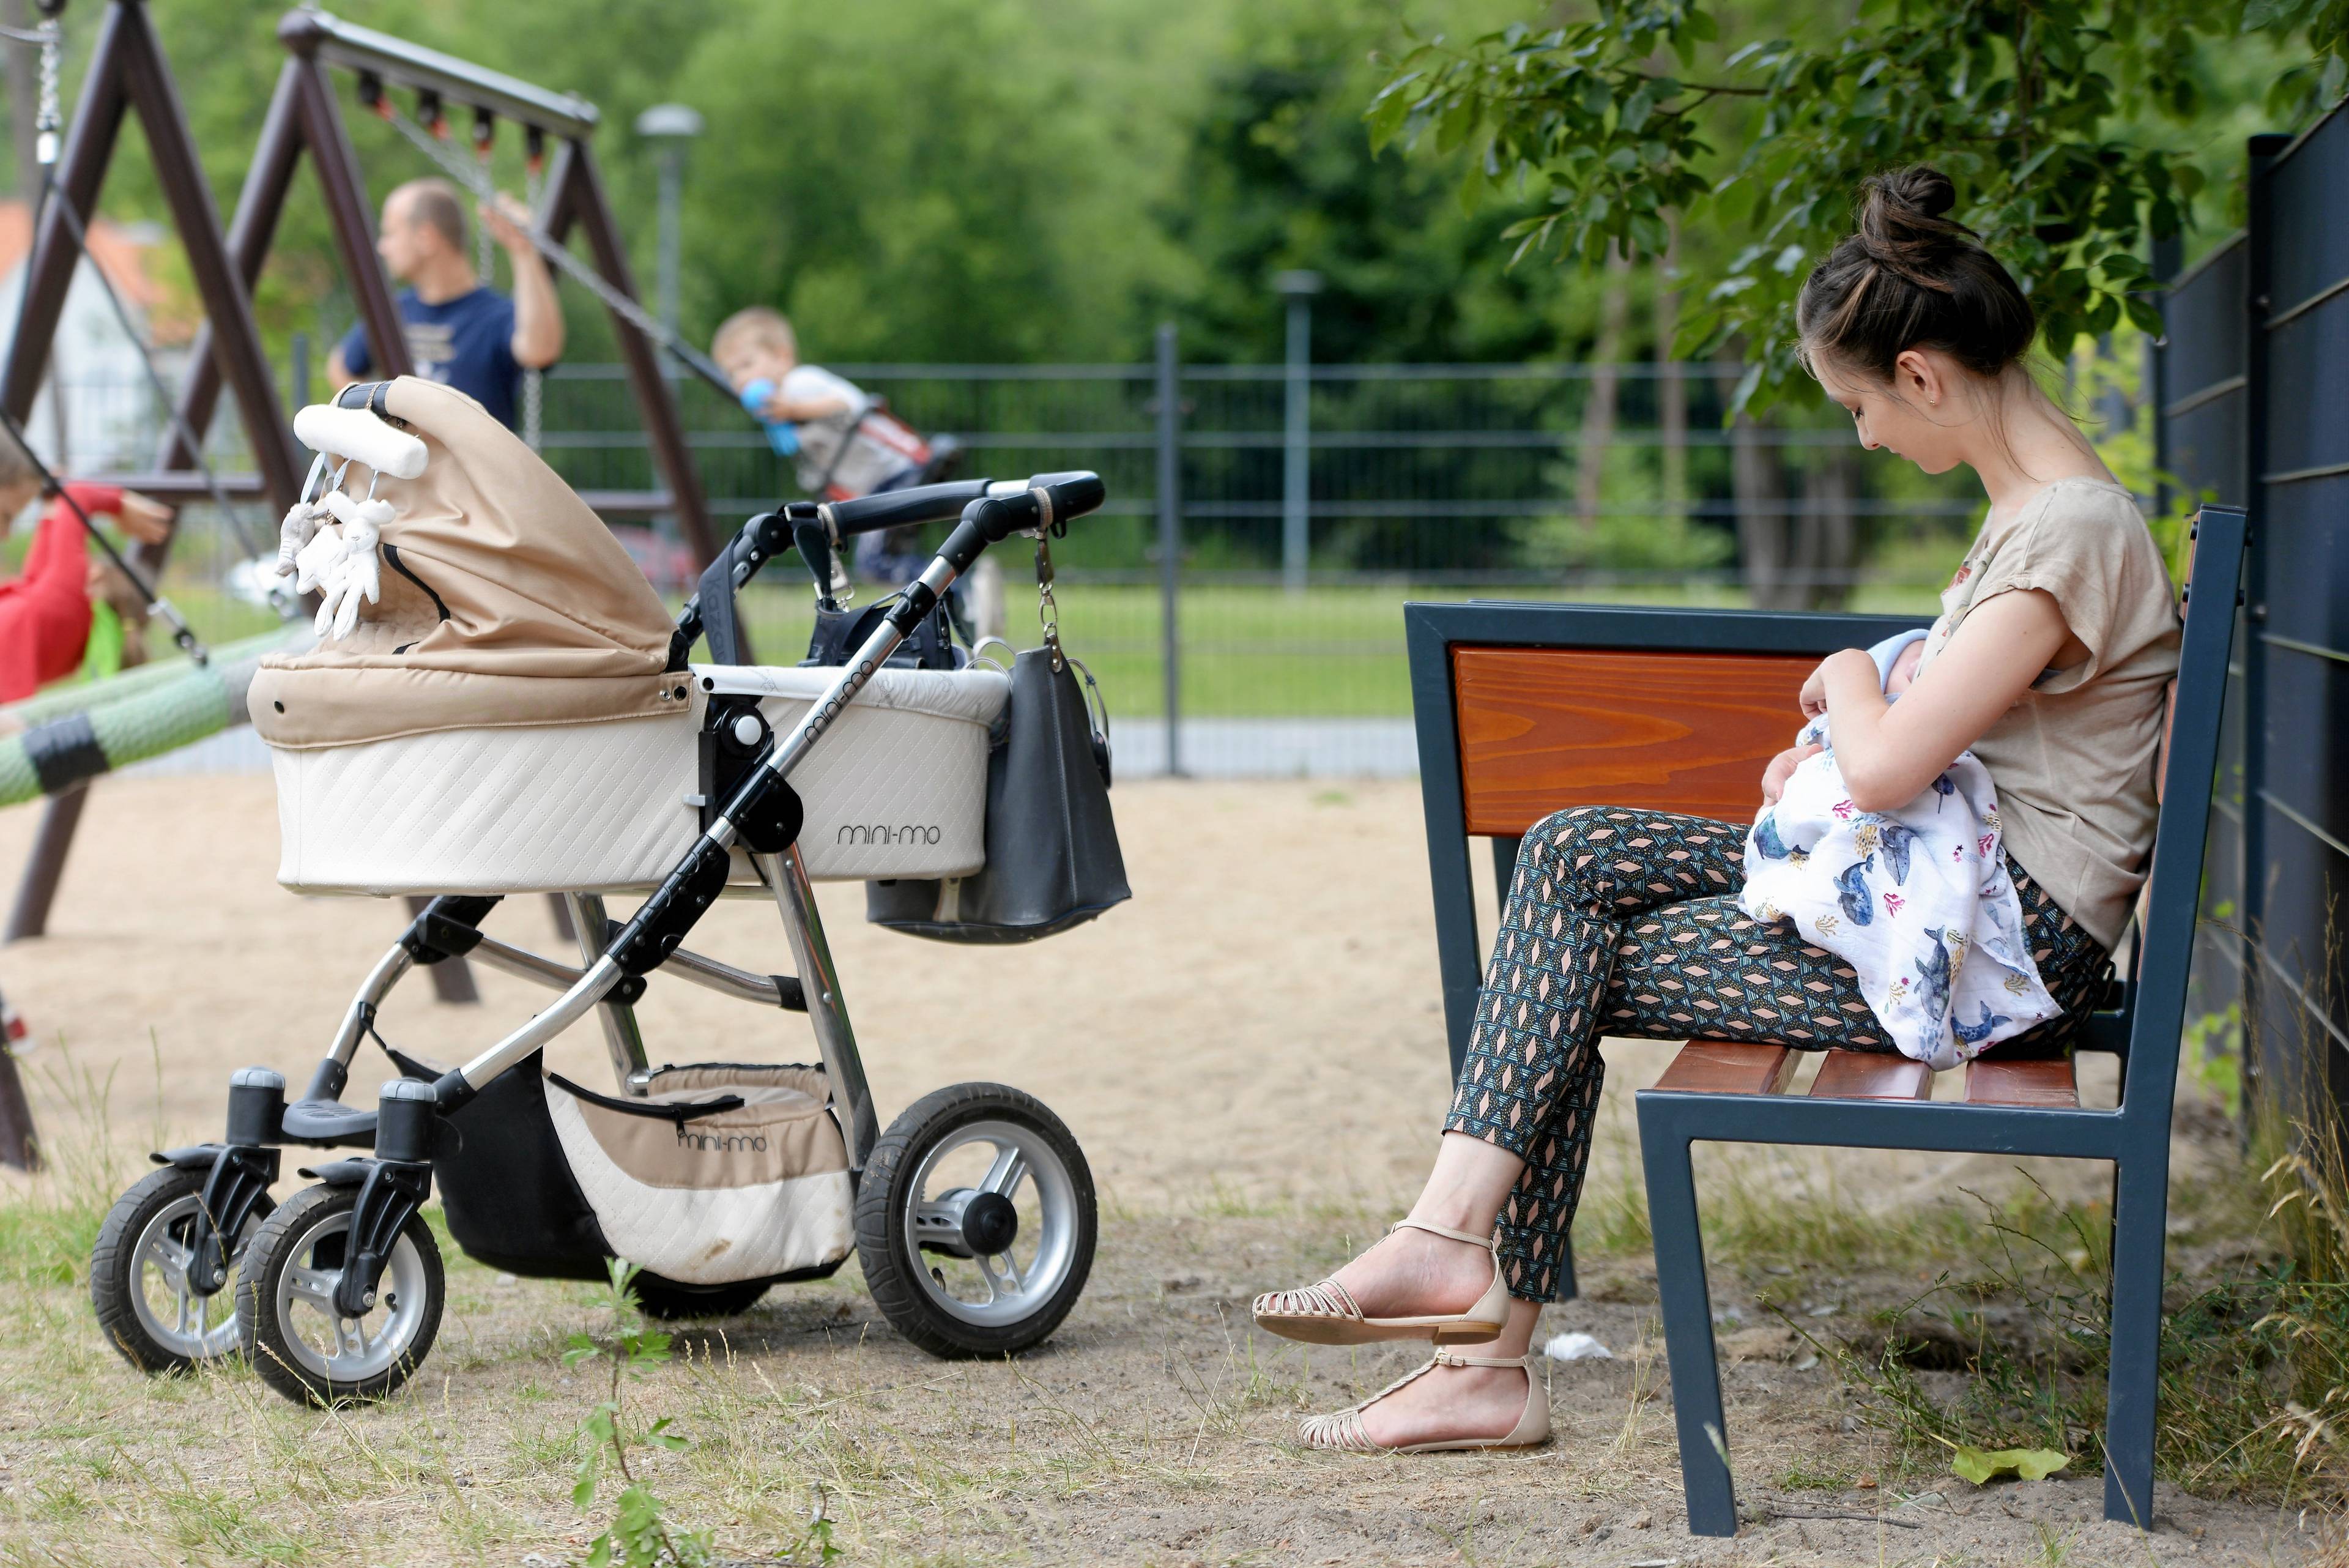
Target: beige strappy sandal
x,y
1325,1314
1342,1430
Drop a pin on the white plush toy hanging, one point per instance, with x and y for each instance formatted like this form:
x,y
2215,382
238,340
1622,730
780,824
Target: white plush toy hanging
x,y
329,544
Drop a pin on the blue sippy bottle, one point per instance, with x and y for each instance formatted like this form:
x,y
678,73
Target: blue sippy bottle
x,y
782,434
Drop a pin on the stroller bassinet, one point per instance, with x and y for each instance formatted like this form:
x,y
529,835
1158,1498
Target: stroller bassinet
x,y
503,719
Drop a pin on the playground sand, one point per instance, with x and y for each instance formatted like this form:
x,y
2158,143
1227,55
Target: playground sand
x,y
1251,1053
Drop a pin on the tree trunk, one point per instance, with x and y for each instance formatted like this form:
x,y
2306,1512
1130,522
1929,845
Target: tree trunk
x,y
1759,481
1672,390
1598,408
1827,540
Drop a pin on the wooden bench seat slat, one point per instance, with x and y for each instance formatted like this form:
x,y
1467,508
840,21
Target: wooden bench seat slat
x,y
1727,1068
1871,1076
2046,1082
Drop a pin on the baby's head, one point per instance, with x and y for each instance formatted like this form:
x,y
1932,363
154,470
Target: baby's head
x,y
755,345
1904,669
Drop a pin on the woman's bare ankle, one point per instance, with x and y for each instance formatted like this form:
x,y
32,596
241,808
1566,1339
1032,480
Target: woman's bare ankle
x,y
1410,1272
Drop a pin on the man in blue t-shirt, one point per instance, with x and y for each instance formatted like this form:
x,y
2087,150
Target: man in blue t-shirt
x,y
460,331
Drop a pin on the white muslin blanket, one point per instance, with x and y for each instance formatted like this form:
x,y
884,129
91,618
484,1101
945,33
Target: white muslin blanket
x,y
1917,900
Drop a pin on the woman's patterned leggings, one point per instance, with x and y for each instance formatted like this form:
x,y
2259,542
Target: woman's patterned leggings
x,y
1626,923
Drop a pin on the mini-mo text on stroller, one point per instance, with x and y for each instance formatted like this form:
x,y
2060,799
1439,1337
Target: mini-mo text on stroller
x,y
499,704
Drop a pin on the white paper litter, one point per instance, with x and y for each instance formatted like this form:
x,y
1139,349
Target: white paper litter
x,y
1576,1347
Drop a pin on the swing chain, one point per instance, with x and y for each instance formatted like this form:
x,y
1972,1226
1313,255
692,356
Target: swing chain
x,y
534,380
48,120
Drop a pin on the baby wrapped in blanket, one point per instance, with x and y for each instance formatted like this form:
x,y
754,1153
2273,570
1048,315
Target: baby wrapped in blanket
x,y
1917,900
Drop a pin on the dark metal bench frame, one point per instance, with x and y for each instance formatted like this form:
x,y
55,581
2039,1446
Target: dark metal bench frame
x,y
2145,1030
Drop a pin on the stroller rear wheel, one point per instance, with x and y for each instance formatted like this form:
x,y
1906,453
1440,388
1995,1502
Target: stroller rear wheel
x,y
138,1276
975,1222
286,1313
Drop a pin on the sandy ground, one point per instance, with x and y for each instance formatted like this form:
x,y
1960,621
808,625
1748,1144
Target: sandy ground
x,y
1251,1054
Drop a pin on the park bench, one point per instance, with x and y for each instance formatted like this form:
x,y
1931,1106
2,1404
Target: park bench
x,y
1523,709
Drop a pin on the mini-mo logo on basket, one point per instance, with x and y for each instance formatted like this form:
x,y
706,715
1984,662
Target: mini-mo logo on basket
x,y
719,1142
886,834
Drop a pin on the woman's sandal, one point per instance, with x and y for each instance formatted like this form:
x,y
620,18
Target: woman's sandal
x,y
1343,1431
1325,1315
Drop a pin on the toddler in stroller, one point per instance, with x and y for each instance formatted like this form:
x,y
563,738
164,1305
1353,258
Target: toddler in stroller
x,y
499,704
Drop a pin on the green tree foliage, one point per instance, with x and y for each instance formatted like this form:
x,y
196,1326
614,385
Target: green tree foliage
x,y
1614,124
1276,174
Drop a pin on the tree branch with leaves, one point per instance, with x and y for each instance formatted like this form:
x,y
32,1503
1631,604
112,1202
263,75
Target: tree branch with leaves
x,y
1605,130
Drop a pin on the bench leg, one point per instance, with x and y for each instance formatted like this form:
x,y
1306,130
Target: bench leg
x,y
2140,1210
1688,1330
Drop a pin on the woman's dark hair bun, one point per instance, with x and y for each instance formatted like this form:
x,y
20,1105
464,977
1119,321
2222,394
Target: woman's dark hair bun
x,y
1903,222
1912,276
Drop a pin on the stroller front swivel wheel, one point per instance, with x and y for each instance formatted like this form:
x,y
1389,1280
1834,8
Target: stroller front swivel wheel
x,y
286,1313
975,1222
138,1276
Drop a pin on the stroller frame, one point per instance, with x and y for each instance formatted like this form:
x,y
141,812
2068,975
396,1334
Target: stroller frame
x,y
760,813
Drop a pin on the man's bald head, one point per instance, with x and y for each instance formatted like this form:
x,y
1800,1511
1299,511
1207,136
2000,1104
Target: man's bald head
x,y
428,203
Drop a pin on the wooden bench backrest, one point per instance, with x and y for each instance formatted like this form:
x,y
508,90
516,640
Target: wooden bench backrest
x,y
1542,729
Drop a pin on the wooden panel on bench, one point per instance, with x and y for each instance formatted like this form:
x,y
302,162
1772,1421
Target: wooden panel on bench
x,y
1726,1067
1547,728
2045,1083
1871,1076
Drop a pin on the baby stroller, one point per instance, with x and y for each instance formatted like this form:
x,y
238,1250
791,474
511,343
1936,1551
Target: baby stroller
x,y
513,711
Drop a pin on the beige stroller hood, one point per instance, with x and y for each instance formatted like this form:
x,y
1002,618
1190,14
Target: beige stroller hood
x,y
505,601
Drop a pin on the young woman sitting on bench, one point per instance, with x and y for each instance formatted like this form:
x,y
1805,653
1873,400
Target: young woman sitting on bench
x,y
2049,662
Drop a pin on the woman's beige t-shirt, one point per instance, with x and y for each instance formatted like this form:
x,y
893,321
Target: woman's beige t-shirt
x,y
2073,761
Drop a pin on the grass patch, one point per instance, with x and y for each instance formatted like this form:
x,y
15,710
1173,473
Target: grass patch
x,y
2011,1349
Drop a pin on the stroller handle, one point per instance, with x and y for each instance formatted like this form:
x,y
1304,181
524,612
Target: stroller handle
x,y
897,508
943,503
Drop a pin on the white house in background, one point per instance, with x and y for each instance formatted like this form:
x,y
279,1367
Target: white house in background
x,y
110,419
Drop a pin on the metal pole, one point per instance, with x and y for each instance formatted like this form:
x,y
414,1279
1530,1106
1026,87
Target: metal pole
x,y
1170,538
301,369
2272,1080
671,160
1297,430
670,126
29,916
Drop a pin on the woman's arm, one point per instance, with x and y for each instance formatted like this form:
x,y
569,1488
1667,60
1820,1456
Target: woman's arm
x,y
1890,750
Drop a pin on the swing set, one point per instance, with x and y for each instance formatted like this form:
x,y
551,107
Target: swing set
x,y
127,72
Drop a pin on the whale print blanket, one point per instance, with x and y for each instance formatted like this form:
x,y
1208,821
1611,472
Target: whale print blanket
x,y
1917,900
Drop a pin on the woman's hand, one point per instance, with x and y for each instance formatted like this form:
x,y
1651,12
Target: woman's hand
x,y
1814,697
144,518
1782,767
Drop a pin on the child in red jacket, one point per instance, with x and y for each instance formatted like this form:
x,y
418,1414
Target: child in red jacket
x,y
45,614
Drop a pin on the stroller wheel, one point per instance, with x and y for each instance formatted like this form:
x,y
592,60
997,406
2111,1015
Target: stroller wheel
x,y
671,1302
138,1277
286,1304
975,1222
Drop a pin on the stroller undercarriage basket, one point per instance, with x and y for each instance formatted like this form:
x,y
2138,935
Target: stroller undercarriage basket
x,y
720,1173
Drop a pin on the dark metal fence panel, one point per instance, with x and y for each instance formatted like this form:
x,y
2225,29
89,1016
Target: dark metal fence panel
x,y
2256,369
2200,367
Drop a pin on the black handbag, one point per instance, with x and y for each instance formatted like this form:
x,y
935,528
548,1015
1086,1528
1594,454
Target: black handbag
x,y
1053,856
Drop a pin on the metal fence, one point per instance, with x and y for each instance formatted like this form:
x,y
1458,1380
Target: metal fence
x,y
1240,596
2253,341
